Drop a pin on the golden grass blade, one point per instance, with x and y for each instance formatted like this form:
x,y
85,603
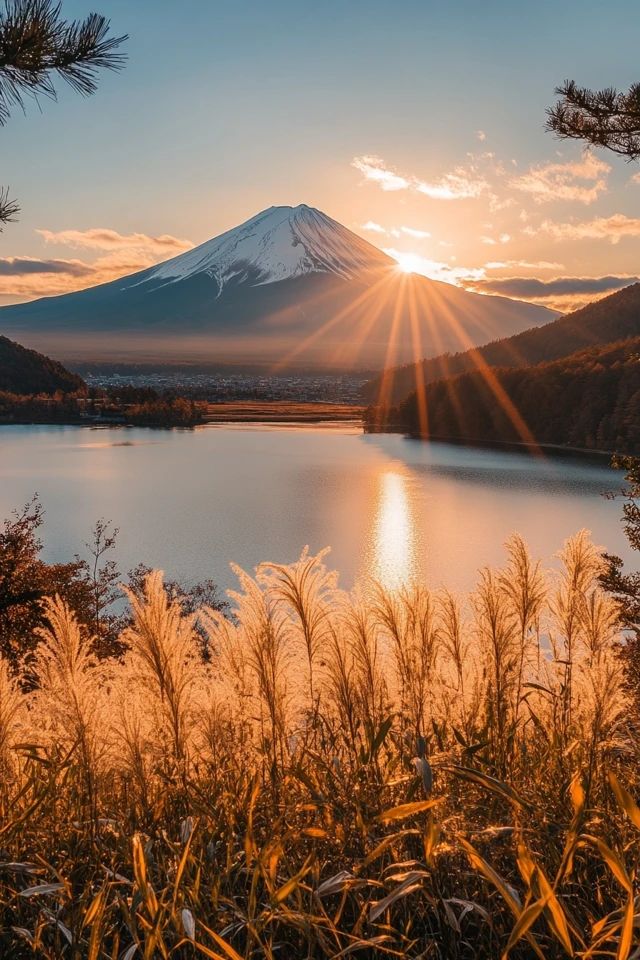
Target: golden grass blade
x,y
626,934
558,920
378,907
226,948
613,861
526,920
406,810
625,800
497,787
508,894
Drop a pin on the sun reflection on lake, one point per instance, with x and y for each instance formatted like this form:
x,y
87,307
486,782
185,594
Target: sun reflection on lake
x,y
393,542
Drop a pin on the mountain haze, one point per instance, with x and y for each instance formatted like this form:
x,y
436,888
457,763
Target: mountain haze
x,y
290,286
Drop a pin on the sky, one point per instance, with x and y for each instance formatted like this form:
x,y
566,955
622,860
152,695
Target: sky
x,y
417,124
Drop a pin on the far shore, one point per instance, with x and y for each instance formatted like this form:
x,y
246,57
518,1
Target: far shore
x,y
281,411
315,412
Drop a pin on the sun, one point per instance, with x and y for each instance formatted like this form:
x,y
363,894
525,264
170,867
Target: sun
x,y
407,262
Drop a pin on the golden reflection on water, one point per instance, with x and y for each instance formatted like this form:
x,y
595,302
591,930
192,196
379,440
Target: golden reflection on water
x,y
393,559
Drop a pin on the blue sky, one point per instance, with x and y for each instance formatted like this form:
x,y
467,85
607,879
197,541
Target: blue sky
x,y
224,109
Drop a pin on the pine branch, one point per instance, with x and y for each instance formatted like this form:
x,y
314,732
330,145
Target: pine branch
x,y
9,209
603,118
36,45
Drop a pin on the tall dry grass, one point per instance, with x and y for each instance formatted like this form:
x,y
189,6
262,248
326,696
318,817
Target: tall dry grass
x,y
381,773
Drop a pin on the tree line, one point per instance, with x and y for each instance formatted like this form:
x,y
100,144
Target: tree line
x,y
589,400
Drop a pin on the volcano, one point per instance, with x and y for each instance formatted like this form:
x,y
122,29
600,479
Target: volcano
x,y
290,287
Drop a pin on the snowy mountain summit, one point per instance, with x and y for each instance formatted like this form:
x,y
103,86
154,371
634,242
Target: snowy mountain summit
x,y
290,287
277,244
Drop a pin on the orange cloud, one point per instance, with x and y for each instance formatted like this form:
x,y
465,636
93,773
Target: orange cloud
x,y
373,168
460,184
122,254
100,238
613,229
562,181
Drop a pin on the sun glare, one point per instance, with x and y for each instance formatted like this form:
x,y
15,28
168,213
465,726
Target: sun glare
x,y
394,551
407,262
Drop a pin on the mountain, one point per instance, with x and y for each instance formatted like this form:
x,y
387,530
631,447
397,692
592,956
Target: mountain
x,y
290,285
589,400
612,319
25,372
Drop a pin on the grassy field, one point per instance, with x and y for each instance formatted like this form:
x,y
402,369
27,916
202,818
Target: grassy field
x,y
379,774
281,411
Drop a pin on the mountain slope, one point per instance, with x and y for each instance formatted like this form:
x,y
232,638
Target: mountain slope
x,y
25,372
290,285
611,319
590,399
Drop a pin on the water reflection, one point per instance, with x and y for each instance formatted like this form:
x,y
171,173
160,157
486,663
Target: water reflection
x,y
393,560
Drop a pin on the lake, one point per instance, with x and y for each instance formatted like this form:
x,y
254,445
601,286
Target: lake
x,y
191,502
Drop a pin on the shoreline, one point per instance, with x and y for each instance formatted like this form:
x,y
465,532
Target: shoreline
x,y
226,412
244,413
510,446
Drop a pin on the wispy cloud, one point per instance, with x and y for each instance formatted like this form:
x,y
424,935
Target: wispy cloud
x,y
481,135
373,227
28,266
374,169
493,241
563,294
119,255
613,229
459,184
530,288
524,264
417,234
100,238
582,180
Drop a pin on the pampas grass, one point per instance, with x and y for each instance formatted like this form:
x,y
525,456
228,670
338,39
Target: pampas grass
x,y
381,773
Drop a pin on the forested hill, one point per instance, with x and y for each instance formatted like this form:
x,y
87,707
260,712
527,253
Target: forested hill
x,y
610,320
589,400
25,372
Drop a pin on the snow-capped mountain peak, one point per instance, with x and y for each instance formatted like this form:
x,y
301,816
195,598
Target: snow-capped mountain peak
x,y
277,244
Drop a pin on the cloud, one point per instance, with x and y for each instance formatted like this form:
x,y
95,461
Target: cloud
x,y
525,264
460,184
565,181
529,288
26,266
418,234
373,168
101,238
373,227
613,229
563,294
434,269
635,178
492,242
120,254
481,135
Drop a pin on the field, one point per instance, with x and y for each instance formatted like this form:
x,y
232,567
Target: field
x,y
281,411
316,774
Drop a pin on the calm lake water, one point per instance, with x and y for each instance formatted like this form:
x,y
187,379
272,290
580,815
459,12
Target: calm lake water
x,y
191,502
